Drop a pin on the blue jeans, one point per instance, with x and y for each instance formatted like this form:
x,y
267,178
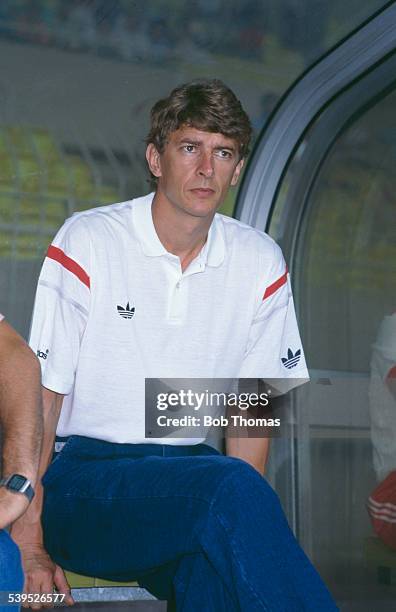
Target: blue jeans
x,y
203,531
11,574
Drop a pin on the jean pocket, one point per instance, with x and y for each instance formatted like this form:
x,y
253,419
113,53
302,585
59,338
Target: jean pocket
x,y
58,464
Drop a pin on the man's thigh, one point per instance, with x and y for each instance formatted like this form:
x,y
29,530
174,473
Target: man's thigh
x,y
121,517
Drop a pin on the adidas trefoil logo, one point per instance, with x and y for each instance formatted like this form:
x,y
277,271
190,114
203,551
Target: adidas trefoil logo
x,y
126,312
291,360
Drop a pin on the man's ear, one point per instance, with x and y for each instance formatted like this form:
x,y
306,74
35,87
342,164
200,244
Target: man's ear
x,y
153,160
237,172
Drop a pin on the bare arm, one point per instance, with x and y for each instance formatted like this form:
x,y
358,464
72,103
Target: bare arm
x,y
20,418
41,574
252,450
28,528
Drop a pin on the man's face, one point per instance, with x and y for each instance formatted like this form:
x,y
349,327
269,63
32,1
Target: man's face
x,y
195,170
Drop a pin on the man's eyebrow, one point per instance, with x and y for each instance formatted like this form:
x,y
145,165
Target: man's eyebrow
x,y
228,147
190,141
199,142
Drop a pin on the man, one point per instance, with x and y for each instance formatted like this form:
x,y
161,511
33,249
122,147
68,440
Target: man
x,y
381,504
20,429
161,287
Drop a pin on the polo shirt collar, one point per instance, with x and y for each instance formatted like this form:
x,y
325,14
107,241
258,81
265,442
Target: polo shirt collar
x,y
144,227
212,253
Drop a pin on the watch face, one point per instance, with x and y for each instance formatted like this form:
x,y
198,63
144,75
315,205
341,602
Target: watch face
x,y
16,482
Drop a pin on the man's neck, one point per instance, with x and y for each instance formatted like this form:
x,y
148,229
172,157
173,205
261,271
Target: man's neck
x,y
181,234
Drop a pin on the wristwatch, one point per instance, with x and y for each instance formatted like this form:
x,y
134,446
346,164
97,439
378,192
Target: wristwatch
x,y
18,484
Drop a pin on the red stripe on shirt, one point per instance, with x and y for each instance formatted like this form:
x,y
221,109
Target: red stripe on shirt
x,y
275,286
67,262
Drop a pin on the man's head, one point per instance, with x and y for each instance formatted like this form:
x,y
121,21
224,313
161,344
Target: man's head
x,y
196,146
207,105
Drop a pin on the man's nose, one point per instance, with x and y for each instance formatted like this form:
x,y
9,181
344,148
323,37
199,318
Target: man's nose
x,y
206,167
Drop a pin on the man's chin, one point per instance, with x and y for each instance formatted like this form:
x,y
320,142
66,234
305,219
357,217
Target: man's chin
x,y
200,212
202,208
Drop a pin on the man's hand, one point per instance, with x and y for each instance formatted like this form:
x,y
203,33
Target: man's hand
x,y
12,506
42,575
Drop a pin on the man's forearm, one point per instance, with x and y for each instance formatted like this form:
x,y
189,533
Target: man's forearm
x,y
28,528
252,450
20,406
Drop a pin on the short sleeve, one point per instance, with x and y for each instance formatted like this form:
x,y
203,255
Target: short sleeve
x,y
274,349
62,305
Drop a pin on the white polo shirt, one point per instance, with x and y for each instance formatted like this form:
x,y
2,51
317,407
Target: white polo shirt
x,y
113,307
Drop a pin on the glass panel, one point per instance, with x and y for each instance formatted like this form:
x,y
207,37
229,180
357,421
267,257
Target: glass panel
x,y
345,286
349,245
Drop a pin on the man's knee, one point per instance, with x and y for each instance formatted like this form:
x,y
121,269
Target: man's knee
x,y
241,481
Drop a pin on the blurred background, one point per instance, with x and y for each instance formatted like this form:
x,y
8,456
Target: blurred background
x,y
77,81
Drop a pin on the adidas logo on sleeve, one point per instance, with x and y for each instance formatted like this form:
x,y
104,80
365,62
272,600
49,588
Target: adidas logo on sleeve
x,y
291,360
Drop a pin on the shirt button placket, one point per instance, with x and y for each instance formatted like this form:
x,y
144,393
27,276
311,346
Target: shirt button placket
x,y
177,307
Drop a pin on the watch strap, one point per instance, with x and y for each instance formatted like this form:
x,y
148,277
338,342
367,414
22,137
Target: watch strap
x,y
18,484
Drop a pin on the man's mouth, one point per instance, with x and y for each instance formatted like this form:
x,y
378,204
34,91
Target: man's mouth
x,y
203,192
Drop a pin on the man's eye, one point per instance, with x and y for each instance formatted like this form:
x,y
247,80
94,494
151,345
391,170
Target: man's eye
x,y
189,148
225,153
